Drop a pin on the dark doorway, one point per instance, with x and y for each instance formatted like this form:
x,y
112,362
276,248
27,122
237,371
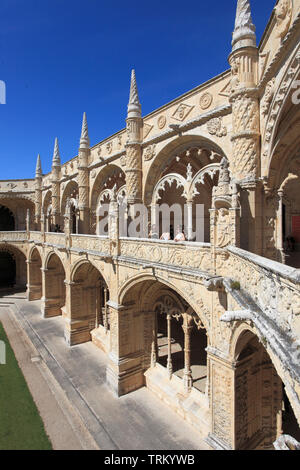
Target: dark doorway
x,y
7,270
7,220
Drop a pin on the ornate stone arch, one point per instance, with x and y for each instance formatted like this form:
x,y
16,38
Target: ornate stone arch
x,y
47,201
49,255
140,278
70,192
80,262
277,109
32,249
169,179
19,255
107,177
173,149
102,182
209,170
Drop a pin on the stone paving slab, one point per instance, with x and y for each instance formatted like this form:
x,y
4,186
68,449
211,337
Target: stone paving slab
x,y
136,421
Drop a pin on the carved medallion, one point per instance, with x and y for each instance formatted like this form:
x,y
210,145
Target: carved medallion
x,y
206,100
161,122
149,152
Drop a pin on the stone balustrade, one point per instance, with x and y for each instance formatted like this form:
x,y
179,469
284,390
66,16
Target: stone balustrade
x,y
13,236
273,286
188,255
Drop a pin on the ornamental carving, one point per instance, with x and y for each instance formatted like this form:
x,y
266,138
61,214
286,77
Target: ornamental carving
x,y
283,15
235,81
223,228
268,96
147,128
245,114
161,122
149,152
109,147
222,393
215,127
206,100
181,112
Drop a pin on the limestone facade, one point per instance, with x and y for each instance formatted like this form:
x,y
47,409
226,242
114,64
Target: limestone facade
x,y
212,327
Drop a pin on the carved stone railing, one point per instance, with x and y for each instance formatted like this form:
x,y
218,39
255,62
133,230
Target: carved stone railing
x,y
183,254
93,243
13,236
36,237
55,238
274,287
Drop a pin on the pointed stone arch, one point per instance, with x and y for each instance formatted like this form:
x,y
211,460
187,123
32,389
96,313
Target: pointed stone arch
x,y
54,289
258,392
13,266
34,274
86,307
107,178
211,152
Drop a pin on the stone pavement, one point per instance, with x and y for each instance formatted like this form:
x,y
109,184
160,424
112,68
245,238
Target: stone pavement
x,y
136,421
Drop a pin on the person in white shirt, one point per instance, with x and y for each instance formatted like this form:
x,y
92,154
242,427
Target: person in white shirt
x,y
180,236
165,236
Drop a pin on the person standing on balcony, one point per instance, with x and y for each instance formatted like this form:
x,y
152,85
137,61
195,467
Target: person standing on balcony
x,y
180,236
165,236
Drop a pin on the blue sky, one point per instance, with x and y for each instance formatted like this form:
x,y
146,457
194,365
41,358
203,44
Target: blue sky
x,y
59,58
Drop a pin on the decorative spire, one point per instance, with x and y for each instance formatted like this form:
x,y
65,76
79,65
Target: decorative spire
x,y
244,29
134,105
84,139
56,155
38,171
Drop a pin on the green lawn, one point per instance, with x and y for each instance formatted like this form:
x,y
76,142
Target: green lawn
x,y
21,427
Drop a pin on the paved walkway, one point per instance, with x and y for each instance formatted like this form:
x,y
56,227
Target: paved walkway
x,y
136,421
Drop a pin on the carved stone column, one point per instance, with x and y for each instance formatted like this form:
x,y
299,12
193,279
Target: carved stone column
x,y
133,169
125,361
38,194
169,361
221,373
187,328
154,343
34,285
280,241
244,98
83,179
55,180
113,224
189,220
105,317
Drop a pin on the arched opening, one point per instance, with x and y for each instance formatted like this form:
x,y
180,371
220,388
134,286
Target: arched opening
x,y
55,290
13,269
89,295
262,409
7,220
70,199
181,342
186,179
109,177
47,212
34,286
8,270
164,348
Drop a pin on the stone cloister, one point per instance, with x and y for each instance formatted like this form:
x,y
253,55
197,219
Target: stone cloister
x,y
212,326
